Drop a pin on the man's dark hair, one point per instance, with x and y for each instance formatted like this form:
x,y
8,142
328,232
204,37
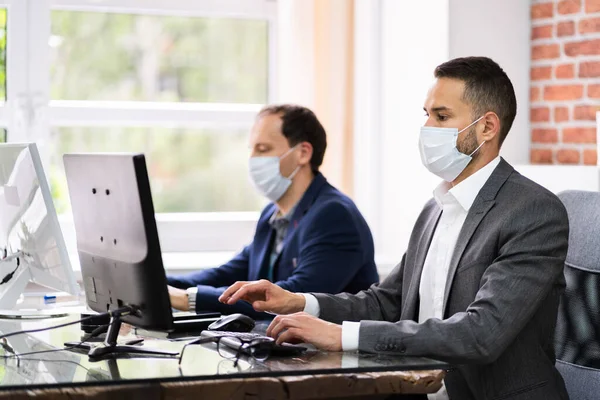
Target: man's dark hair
x,y
300,125
487,88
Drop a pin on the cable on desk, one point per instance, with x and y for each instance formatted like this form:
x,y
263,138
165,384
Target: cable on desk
x,y
92,334
48,360
119,311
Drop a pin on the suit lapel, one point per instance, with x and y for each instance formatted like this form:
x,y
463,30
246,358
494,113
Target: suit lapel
x,y
420,255
307,200
304,205
474,217
483,203
263,248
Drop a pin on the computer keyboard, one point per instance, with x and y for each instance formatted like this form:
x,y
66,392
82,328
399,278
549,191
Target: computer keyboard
x,y
284,349
186,316
241,335
186,323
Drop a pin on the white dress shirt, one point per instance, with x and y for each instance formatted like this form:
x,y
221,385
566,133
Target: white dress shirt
x,y
455,203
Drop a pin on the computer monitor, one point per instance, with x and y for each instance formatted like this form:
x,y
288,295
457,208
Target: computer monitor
x,y
31,241
117,242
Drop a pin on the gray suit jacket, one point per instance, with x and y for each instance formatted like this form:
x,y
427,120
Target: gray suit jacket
x,y
501,298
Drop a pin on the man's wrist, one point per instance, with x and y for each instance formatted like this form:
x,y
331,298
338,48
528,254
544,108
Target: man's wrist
x,y
299,302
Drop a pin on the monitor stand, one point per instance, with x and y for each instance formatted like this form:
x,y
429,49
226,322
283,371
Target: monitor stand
x,y
111,347
13,305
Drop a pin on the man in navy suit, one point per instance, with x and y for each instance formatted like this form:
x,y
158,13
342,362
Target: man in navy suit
x,y
310,238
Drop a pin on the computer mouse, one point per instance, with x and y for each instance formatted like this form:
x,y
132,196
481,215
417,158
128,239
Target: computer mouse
x,y
233,323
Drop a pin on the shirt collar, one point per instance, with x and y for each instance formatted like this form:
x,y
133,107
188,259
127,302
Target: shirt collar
x,y
287,217
465,192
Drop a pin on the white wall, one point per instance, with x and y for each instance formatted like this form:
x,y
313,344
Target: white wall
x,y
413,44
368,105
406,44
296,74
558,178
398,48
500,30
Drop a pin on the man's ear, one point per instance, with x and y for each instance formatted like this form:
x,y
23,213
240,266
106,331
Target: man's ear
x,y
491,126
306,152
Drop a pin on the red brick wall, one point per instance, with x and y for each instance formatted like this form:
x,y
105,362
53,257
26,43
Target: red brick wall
x,y
565,81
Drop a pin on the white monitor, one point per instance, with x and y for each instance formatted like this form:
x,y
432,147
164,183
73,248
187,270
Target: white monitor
x,y
29,227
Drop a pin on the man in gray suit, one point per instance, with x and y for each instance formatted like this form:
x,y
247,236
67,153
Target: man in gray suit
x,y
479,285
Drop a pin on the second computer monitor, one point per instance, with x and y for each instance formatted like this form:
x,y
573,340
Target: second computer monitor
x,y
29,228
117,238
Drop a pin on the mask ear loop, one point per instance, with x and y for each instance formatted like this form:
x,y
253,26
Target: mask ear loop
x,y
478,147
467,127
285,155
288,152
294,173
471,124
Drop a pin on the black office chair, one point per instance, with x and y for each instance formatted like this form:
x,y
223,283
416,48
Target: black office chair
x,y
578,326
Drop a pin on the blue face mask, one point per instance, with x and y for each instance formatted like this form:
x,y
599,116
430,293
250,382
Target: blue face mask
x,y
267,178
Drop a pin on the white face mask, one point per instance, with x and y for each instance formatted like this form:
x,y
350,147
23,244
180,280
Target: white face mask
x,y
439,153
267,178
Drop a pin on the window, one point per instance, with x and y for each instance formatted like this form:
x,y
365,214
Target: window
x,y
4,36
127,57
192,170
132,57
179,80
3,57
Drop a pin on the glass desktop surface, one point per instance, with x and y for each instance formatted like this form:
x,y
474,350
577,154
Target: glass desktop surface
x,y
200,361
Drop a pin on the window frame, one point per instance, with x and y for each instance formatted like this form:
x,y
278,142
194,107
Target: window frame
x,y
29,114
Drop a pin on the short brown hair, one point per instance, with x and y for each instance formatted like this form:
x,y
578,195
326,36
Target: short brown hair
x,y
301,125
487,88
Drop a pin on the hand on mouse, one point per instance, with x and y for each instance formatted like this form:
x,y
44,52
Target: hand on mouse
x,y
264,295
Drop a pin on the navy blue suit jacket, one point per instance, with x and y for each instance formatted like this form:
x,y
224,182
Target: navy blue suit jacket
x,y
328,248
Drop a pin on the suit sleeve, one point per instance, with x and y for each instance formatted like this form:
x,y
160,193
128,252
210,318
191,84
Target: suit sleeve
x,y
532,252
381,302
234,270
207,301
330,255
211,283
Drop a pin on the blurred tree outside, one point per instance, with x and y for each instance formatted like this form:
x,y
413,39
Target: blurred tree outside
x,y
105,56
3,56
124,57
190,170
2,65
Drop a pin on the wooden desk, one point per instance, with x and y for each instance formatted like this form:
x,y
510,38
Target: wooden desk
x,y
366,385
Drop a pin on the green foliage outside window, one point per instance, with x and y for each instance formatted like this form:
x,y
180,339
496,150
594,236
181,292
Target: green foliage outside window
x,y
127,57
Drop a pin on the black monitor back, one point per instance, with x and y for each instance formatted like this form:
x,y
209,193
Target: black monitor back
x,y
117,238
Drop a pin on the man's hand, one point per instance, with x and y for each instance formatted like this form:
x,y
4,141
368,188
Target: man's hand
x,y
302,327
179,299
264,296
